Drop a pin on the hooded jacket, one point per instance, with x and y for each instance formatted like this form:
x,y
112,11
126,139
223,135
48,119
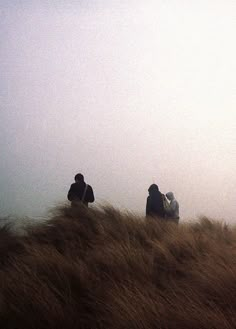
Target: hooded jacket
x,y
173,209
154,206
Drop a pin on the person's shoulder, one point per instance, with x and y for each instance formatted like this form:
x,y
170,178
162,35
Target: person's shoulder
x,y
175,203
89,187
162,196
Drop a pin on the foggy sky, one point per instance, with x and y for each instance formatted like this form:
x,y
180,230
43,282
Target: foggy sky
x,y
126,92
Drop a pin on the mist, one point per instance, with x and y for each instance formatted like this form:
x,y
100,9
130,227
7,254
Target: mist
x,y
126,92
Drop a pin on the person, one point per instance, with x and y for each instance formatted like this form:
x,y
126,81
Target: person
x,y
80,192
154,206
172,211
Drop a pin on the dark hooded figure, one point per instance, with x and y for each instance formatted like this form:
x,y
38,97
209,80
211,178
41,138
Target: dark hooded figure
x,y
155,205
80,192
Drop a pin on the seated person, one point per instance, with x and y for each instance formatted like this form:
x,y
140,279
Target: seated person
x,y
172,209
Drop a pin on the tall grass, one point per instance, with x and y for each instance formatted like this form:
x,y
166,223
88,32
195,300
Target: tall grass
x,y
100,268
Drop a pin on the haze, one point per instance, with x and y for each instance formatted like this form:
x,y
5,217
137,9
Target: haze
x,y
126,92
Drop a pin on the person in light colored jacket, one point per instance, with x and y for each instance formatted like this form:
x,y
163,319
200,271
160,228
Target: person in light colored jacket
x,y
172,210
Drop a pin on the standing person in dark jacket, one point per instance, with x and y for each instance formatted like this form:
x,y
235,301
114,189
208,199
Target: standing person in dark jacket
x,y
155,206
80,192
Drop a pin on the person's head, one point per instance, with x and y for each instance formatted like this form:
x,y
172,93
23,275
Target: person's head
x,y
153,189
170,196
79,178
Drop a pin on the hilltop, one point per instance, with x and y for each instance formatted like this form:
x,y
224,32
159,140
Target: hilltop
x,y
102,268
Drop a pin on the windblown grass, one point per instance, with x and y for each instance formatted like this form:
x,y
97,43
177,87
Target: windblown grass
x,y
102,268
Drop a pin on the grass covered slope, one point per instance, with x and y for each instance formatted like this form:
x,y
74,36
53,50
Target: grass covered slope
x,y
105,269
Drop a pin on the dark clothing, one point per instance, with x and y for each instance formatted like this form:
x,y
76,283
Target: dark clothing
x,y
76,193
155,205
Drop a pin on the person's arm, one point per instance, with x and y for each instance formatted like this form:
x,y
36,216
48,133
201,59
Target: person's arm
x,y
166,204
175,208
90,195
70,195
148,210
172,208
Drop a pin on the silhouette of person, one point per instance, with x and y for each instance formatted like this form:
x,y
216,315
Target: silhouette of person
x,y
172,211
80,192
155,206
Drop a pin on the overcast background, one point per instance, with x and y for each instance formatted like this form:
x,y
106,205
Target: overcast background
x,y
126,92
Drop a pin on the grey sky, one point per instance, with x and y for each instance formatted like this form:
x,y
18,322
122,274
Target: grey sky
x,y
126,92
